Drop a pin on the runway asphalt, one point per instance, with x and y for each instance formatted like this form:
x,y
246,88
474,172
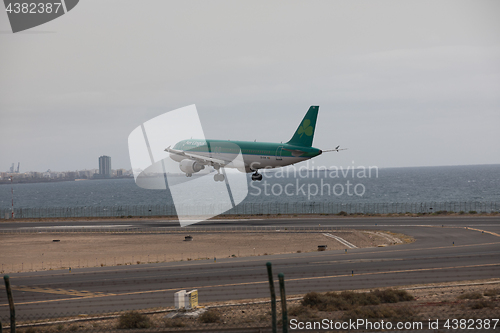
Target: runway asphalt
x,y
446,249
144,224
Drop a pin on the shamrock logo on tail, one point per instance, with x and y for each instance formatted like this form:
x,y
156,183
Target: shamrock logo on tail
x,y
305,128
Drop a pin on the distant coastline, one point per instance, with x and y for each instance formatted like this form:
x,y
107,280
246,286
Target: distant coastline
x,y
52,180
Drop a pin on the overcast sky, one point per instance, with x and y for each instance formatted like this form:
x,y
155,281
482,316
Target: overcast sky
x,y
399,83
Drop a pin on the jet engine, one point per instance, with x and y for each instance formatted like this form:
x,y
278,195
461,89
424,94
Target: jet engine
x,y
190,166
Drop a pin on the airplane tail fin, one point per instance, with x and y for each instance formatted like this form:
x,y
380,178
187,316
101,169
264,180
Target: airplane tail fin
x,y
305,132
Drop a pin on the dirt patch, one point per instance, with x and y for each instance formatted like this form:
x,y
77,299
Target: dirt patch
x,y
39,251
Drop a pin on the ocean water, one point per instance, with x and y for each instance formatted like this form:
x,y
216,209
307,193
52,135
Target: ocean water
x,y
479,183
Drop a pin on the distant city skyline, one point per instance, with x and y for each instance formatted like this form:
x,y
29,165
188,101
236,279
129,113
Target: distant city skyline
x,y
18,169
103,171
49,175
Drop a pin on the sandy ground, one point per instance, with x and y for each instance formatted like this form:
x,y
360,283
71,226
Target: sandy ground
x,y
35,252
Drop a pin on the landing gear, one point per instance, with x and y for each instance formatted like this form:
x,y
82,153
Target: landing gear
x,y
189,174
219,177
256,176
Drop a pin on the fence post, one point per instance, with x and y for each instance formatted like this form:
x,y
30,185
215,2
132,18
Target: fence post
x,y
11,304
273,295
284,312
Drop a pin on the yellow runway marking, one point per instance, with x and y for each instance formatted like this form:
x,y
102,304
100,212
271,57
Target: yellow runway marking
x,y
95,295
400,271
486,232
59,291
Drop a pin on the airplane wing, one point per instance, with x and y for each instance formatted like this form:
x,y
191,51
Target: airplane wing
x,y
199,158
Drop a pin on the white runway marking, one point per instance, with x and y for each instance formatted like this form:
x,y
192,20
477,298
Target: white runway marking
x,y
81,226
223,220
341,240
390,238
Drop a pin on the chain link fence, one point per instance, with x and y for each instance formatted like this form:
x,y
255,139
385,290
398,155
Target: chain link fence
x,y
272,208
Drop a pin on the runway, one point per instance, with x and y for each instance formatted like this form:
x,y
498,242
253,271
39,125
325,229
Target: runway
x,y
491,223
446,249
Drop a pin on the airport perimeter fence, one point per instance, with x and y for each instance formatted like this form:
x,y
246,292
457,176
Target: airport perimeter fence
x,y
266,208
237,298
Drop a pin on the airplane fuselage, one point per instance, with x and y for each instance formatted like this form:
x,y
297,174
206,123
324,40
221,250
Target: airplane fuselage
x,y
256,155
194,155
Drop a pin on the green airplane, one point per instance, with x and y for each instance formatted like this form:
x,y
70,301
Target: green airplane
x,y
194,154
